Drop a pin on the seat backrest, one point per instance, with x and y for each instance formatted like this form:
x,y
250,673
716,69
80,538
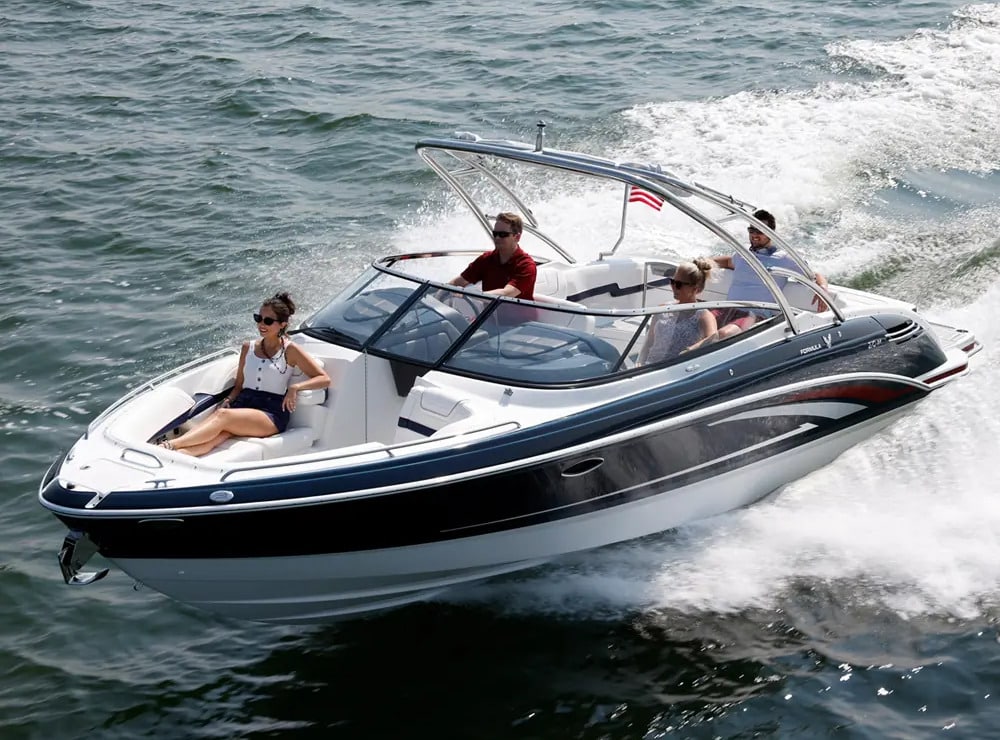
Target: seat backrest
x,y
428,408
546,281
309,410
553,300
717,287
583,322
142,417
799,295
309,405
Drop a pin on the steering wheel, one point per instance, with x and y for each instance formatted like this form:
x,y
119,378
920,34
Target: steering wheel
x,y
470,306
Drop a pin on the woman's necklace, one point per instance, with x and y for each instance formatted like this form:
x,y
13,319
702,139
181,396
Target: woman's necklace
x,y
279,353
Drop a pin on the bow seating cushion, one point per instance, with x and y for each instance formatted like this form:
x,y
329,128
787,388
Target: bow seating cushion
x,y
142,417
303,429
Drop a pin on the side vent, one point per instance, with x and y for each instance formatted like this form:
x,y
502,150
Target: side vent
x,y
904,332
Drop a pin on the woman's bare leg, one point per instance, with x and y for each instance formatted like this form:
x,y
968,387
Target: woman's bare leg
x,y
237,422
205,447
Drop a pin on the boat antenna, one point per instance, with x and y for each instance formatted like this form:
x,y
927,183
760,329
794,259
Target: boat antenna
x,y
540,138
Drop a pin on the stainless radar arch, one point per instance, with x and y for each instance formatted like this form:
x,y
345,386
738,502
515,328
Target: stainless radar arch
x,y
468,155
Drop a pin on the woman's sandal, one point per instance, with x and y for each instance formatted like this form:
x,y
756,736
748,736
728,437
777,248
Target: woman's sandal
x,y
166,444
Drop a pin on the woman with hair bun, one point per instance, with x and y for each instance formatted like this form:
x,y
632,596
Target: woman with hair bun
x,y
263,397
680,331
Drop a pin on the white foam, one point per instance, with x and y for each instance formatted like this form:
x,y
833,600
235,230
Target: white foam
x,y
907,520
817,158
819,155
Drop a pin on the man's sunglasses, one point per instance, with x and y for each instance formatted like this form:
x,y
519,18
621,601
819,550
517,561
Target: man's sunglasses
x,y
754,230
266,320
501,234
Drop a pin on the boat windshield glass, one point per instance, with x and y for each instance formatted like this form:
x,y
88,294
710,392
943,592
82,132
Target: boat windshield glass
x,y
405,316
434,321
543,345
430,324
361,309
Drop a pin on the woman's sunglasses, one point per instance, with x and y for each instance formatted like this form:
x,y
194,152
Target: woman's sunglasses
x,y
266,320
679,283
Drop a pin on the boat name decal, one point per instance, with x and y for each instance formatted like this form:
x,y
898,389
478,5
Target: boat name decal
x,y
827,342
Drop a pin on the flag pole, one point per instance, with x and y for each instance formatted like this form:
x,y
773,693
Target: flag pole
x,y
621,233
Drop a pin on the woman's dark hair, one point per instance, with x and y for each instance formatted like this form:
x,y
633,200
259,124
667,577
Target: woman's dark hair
x,y
282,305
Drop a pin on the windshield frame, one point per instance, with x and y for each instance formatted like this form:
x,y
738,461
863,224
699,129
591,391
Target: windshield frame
x,y
400,308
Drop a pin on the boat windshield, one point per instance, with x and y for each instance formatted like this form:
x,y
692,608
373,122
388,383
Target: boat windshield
x,y
404,316
403,309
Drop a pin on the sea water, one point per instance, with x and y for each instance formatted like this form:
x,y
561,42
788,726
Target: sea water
x,y
165,168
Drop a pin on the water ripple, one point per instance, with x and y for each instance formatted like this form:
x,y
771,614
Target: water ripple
x,y
166,165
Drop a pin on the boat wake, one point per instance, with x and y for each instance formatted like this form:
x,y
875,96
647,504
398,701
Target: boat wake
x,y
916,117
886,176
905,521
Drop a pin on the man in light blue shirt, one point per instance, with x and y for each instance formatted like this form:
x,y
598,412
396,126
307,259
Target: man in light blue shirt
x,y
746,285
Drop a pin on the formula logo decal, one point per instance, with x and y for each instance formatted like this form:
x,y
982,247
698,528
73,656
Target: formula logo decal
x,y
826,343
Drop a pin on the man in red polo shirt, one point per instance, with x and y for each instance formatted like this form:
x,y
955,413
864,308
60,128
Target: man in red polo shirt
x,y
507,270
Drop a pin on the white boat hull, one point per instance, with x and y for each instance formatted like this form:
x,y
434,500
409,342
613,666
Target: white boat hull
x,y
323,588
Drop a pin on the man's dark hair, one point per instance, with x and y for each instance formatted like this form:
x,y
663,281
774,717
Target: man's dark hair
x,y
765,217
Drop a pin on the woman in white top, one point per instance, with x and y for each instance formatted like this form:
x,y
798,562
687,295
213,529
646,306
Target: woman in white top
x,y
678,331
263,397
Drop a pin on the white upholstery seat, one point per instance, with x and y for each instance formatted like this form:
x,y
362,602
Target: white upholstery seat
x,y
240,449
237,449
546,281
303,429
146,414
428,409
308,409
583,322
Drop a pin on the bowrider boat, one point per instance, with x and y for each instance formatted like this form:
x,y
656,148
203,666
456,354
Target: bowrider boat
x,y
467,435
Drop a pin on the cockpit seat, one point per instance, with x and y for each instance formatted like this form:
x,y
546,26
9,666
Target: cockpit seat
x,y
581,321
429,409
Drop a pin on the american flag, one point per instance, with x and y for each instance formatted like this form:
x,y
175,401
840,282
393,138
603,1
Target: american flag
x,y
638,195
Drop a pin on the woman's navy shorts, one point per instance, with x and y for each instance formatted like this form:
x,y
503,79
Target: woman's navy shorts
x,y
269,403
